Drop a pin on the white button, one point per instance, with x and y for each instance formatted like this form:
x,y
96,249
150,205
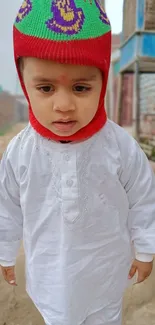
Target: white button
x,y
69,182
102,197
66,157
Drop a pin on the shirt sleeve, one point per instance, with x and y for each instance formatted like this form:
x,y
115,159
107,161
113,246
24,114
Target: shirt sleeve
x,y
138,180
6,264
144,257
11,221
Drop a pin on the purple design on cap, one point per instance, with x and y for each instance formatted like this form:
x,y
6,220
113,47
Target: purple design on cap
x,y
103,15
24,10
67,19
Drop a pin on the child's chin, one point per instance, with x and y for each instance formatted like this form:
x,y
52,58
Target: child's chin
x,y
63,134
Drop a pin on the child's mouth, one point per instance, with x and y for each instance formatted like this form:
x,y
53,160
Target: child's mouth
x,y
64,126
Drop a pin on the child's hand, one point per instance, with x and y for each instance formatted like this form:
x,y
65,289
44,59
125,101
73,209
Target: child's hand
x,y
9,274
143,269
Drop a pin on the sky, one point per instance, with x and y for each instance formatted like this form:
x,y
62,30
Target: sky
x,y
114,10
7,16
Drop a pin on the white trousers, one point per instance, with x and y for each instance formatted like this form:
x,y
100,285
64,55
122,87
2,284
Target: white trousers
x,y
111,315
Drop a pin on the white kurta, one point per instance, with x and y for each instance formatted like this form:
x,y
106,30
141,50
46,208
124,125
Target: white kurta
x,y
78,208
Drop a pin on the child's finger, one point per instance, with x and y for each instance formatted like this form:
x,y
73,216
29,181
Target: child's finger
x,y
141,277
132,271
9,275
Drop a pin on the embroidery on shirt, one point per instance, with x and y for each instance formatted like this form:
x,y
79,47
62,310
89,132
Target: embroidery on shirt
x,y
67,18
103,15
24,10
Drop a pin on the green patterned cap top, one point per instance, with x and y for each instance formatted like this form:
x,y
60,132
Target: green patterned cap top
x,y
62,20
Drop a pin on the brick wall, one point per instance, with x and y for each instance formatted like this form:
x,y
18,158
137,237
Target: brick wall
x,y
150,15
147,93
129,25
147,103
129,20
127,100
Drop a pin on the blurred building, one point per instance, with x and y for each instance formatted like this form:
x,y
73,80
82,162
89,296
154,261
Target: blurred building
x,y
138,60
113,82
13,109
102,3
134,60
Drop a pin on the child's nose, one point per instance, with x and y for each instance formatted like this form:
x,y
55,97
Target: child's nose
x,y
64,103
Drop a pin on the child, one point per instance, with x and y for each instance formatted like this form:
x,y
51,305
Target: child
x,y
74,186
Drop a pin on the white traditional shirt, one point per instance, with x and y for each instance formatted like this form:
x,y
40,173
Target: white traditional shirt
x,y
80,208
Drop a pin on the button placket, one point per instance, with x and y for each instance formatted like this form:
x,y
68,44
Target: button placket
x,y
69,182
66,157
69,187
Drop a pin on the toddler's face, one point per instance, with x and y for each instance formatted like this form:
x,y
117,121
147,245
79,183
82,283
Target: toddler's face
x,y
64,98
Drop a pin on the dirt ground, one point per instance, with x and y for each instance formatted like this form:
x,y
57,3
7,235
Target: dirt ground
x,y
16,308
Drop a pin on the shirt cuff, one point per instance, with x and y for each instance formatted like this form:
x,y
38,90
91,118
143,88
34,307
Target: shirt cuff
x,y
7,264
144,257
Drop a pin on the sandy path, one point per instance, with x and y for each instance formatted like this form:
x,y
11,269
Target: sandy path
x,y
16,307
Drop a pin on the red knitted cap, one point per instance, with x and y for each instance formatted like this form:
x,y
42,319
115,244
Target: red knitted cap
x,y
66,31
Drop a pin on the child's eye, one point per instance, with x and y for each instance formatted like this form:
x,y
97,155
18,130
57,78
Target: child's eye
x,y
45,89
81,88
